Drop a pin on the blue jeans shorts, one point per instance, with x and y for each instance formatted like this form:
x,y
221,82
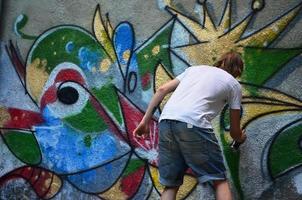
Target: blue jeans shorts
x,y
182,145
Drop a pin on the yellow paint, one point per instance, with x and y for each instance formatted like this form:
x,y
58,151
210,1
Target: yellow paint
x,y
271,32
161,77
257,4
155,50
109,29
267,93
187,186
4,116
219,42
114,192
168,3
146,56
54,188
105,65
252,109
126,55
36,77
226,20
47,183
102,35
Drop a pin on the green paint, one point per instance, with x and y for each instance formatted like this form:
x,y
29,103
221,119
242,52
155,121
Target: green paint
x,y
108,45
226,119
19,24
52,47
147,59
24,146
262,64
232,159
133,166
88,120
87,140
285,151
108,97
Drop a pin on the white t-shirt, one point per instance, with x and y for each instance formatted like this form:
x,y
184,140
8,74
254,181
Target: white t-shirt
x,y
201,95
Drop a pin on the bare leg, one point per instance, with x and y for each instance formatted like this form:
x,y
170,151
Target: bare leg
x,y
169,193
223,191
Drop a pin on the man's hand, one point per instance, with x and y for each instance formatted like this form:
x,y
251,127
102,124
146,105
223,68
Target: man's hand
x,y
142,130
242,137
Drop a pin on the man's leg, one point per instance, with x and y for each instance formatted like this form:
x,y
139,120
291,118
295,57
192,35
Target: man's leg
x,y
223,191
169,193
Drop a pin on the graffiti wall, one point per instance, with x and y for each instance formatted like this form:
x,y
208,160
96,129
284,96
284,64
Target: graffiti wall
x,y
74,86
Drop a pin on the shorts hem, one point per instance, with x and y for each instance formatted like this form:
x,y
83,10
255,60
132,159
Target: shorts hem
x,y
212,177
169,183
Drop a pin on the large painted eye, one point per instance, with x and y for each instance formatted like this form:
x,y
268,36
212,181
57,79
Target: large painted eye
x,y
71,98
68,95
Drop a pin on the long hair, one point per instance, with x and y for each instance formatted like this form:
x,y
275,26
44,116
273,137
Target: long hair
x,y
231,62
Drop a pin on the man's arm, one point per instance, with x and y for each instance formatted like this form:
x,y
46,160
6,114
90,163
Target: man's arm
x,y
236,133
162,91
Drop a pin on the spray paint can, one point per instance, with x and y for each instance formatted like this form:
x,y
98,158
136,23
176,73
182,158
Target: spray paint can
x,y
235,145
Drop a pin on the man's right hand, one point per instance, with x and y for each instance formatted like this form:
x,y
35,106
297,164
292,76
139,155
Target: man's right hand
x,y
242,137
142,130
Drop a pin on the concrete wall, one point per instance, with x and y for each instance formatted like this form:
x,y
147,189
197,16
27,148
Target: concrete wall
x,y
76,77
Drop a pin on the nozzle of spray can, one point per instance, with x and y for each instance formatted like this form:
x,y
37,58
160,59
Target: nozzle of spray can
x,y
235,145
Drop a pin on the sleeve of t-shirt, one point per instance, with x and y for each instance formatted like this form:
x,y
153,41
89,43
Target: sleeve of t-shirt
x,y
235,96
182,75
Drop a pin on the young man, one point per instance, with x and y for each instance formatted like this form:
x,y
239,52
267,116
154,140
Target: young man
x,y
186,137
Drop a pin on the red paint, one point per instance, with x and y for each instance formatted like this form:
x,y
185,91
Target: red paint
x,y
37,177
69,75
49,96
103,114
132,117
131,183
16,60
23,119
146,78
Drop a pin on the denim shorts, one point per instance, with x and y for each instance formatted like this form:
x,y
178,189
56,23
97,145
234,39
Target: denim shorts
x,y
183,146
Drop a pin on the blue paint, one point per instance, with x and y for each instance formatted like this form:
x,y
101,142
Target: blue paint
x,y
101,178
49,118
123,40
64,151
69,47
133,67
88,59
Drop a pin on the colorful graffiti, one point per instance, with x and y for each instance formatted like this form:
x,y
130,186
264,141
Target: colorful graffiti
x,y
90,90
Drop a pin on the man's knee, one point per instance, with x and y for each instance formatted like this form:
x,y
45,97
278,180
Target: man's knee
x,y
220,183
174,188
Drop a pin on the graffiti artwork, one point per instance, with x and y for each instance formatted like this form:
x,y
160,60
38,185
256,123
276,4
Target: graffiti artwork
x,y
90,89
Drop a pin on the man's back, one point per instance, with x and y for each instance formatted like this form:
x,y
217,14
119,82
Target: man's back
x,y
201,94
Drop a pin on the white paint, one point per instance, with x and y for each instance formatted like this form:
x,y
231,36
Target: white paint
x,y
19,19
12,92
163,3
198,9
297,180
